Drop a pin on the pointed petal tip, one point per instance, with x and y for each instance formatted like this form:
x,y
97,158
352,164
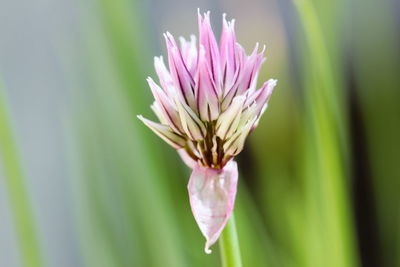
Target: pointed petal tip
x,y
152,83
168,37
269,86
272,82
143,119
224,18
207,249
263,49
199,16
158,59
165,132
224,21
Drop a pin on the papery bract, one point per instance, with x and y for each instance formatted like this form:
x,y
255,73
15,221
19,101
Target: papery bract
x,y
212,196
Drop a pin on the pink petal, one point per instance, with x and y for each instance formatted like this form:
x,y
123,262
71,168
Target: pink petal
x,y
165,78
259,100
212,196
229,55
250,71
180,74
207,40
166,106
189,53
231,91
264,94
206,92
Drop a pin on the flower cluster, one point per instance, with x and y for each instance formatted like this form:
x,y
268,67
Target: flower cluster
x,y
207,105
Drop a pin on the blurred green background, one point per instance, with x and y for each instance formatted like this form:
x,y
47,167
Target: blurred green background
x,y
84,183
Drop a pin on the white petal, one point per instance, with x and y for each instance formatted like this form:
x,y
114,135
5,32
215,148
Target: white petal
x,y
235,144
191,123
156,109
228,121
165,132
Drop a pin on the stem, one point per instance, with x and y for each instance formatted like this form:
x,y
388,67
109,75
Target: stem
x,y
229,245
23,221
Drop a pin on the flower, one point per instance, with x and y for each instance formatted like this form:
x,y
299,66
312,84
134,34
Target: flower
x,y
207,105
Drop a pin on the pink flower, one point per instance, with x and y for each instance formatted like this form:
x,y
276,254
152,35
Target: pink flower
x,y
207,105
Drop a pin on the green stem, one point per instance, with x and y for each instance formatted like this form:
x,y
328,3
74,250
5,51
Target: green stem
x,y
23,221
229,245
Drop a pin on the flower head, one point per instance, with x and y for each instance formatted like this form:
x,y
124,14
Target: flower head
x,y
207,105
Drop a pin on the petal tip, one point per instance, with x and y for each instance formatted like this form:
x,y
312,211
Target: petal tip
x,y
272,82
207,249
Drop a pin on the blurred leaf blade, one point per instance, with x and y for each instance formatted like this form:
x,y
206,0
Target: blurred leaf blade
x,y
326,176
125,151
24,222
